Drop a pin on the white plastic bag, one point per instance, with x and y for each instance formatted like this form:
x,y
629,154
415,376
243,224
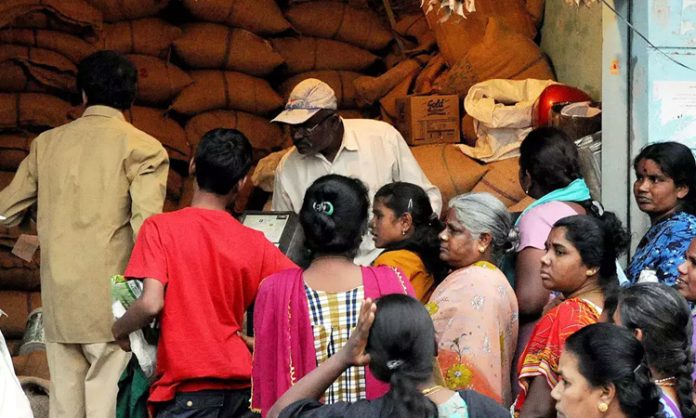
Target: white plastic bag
x,y
503,116
13,401
145,352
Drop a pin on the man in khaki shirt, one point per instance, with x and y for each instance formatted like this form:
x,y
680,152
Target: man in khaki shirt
x,y
95,181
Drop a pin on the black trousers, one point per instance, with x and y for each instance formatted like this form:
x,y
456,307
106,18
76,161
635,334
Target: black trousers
x,y
209,404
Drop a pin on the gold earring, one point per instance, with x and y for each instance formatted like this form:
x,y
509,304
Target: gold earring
x,y
403,233
603,407
482,250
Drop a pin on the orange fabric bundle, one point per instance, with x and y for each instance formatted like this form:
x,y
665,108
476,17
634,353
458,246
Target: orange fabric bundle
x,y
73,47
262,134
208,45
158,81
334,20
340,81
166,130
47,67
116,10
149,36
306,54
32,110
258,16
72,15
502,181
501,54
227,90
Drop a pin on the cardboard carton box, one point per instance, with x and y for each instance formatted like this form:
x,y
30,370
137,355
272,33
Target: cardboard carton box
x,y
428,119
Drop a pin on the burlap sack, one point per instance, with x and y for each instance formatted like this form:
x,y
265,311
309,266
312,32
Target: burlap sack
x,y
14,147
72,15
502,181
34,364
227,90
535,8
263,175
47,67
426,79
502,54
262,134
306,54
208,45
416,27
17,305
175,185
117,10
258,16
457,35
340,81
13,346
351,113
15,273
166,130
72,47
387,104
14,78
521,205
149,36
32,110
370,89
187,193
449,169
158,81
334,20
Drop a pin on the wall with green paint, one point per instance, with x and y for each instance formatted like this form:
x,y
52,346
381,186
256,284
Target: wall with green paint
x,y
572,38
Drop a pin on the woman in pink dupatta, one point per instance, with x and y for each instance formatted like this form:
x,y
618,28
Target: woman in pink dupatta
x,y
303,317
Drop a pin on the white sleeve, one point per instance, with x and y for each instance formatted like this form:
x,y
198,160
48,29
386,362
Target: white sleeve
x,y
281,200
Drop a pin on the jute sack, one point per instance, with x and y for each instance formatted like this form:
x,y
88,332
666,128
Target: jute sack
x,y
261,133
503,54
448,168
72,47
166,130
14,147
208,45
158,81
263,175
175,185
416,27
334,20
47,67
370,89
258,16
340,81
33,364
387,104
227,90
17,274
72,15
457,35
502,181
306,54
17,305
149,36
117,10
32,110
426,79
535,8
14,78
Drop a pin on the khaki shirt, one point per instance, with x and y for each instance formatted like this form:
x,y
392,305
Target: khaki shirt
x,y
96,179
372,151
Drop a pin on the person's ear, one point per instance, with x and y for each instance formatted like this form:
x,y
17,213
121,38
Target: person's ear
x,y
591,271
638,333
406,221
606,397
84,97
240,184
485,240
682,191
192,167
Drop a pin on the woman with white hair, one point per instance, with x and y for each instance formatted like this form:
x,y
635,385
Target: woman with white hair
x,y
475,309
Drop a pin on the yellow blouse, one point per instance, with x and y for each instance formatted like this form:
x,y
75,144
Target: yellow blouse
x,y
411,264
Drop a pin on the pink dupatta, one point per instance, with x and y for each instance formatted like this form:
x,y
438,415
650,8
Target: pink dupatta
x,y
284,349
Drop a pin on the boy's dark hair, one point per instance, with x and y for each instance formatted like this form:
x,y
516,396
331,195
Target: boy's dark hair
x,y
223,157
108,78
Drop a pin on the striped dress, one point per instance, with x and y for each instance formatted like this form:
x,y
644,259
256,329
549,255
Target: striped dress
x,y
333,316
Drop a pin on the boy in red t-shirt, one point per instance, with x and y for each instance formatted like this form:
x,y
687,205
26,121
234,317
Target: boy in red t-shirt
x,y
201,271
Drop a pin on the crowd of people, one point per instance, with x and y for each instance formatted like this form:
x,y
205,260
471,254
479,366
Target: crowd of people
x,y
400,312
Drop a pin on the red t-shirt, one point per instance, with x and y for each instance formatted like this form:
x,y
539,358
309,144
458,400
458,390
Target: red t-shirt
x,y
212,267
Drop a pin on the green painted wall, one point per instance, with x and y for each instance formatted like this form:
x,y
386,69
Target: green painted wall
x,y
572,38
